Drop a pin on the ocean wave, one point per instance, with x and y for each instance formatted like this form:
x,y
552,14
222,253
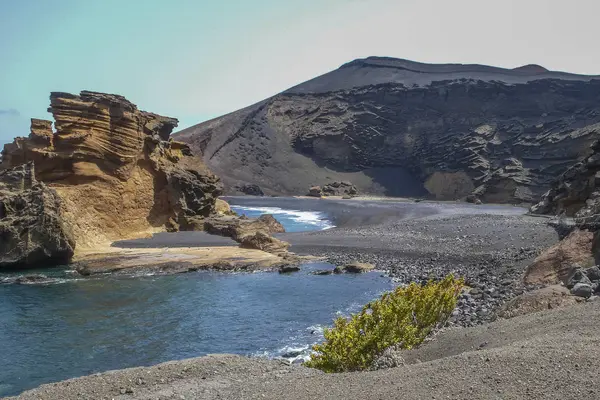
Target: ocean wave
x,y
315,218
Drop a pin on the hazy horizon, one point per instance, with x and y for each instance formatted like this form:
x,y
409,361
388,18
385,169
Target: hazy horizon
x,y
199,60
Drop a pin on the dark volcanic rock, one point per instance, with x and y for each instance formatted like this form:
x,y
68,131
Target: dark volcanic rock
x,y
340,189
31,227
250,189
401,128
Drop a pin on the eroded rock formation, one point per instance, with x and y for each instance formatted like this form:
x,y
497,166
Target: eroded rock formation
x,y
115,169
31,226
401,128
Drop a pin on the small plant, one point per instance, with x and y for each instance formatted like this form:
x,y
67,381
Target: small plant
x,y
403,317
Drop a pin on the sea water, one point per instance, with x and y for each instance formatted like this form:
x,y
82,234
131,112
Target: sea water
x,y
78,326
292,220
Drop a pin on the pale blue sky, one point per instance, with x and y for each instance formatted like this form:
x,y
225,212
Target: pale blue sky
x,y
195,60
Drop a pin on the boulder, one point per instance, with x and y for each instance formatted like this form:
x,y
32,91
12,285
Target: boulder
x,y
237,227
340,189
263,241
578,276
593,273
222,208
315,191
338,270
582,290
32,231
559,262
547,298
250,189
358,267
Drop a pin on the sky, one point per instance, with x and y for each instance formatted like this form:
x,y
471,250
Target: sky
x,y
196,60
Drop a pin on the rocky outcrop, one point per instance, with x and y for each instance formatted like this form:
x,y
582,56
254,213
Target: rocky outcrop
x,y
340,189
250,233
31,226
250,189
401,128
576,192
115,169
557,264
237,227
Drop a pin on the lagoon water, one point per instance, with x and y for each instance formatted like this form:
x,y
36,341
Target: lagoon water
x,y
77,327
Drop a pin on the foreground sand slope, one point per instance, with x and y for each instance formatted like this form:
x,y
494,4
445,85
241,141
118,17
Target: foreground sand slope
x,y
549,355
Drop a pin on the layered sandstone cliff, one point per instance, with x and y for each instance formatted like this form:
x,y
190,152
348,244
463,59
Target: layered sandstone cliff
x,y
401,128
116,171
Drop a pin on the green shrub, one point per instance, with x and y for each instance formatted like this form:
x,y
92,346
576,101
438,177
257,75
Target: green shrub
x,y
403,317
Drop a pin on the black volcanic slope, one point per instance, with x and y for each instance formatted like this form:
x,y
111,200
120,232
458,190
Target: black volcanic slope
x,y
402,128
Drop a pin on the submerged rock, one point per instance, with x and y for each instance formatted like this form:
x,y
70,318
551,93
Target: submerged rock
x,y
285,269
31,227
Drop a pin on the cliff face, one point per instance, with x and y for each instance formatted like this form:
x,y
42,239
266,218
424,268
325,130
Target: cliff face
x,y
31,227
407,129
116,171
576,193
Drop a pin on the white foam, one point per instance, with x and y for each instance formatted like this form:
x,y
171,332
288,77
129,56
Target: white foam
x,y
307,217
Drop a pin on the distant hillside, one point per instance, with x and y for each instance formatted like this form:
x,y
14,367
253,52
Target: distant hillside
x,y
402,128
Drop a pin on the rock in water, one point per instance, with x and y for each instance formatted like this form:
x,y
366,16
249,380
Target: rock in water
x,y
31,226
403,128
114,168
357,267
286,269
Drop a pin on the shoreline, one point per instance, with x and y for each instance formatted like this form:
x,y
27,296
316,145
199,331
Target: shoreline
x,y
510,358
406,241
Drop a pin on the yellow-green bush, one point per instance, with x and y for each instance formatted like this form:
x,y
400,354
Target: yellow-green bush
x,y
403,317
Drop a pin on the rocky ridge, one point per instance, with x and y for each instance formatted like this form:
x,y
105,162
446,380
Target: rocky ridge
x,y
400,128
114,169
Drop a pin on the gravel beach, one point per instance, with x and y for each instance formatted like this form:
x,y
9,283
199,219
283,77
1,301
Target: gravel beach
x,y
488,245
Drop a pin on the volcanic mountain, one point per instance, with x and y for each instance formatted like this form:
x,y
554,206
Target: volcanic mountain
x,y
401,128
